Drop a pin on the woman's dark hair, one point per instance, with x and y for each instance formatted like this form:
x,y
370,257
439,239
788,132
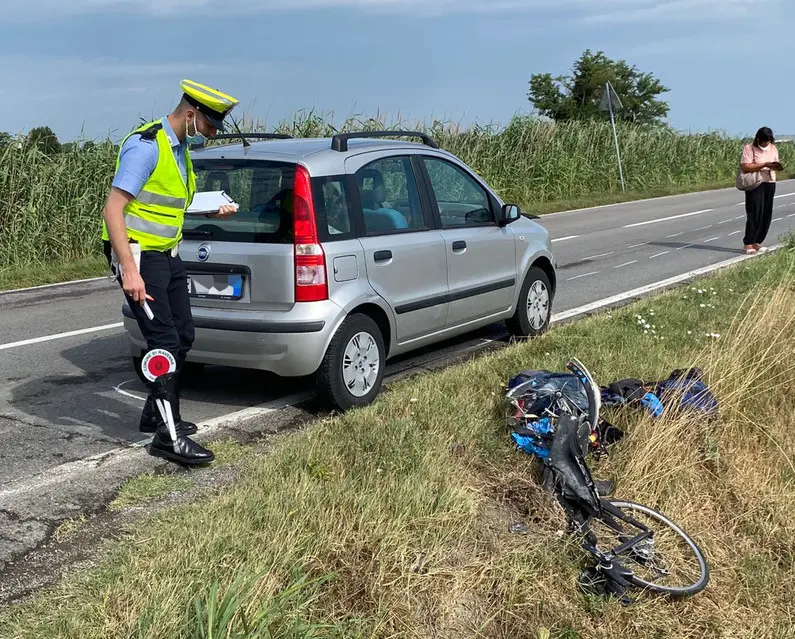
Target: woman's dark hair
x,y
764,135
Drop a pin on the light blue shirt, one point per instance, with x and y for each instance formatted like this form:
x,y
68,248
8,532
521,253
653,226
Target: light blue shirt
x,y
138,160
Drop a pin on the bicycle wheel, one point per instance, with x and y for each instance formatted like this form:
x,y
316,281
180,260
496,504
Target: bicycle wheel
x,y
668,561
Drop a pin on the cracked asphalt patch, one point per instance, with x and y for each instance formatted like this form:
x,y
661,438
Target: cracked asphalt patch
x,y
32,508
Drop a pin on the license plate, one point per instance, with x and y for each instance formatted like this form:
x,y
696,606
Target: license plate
x,y
215,286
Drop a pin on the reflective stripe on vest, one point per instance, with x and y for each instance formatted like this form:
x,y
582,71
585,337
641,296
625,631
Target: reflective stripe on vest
x,y
147,197
135,223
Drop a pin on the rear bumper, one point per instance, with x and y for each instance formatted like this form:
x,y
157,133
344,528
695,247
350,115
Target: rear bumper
x,y
287,347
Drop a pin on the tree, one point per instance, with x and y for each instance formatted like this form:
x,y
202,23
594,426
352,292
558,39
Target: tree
x,y
5,139
577,97
45,139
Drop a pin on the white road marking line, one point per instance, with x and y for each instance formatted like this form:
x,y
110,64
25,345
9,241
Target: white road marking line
x,y
576,277
650,288
785,195
712,239
675,235
36,288
593,257
35,483
665,219
47,338
685,246
563,239
703,228
637,245
739,217
627,264
118,389
791,215
659,254
735,232
777,219
723,222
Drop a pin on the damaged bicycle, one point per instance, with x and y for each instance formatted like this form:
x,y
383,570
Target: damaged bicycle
x,y
556,417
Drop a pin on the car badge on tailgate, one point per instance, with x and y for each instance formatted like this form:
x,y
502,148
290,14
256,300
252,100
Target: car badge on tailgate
x,y
203,253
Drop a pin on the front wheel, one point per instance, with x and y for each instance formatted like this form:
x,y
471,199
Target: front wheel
x,y
669,562
353,368
534,307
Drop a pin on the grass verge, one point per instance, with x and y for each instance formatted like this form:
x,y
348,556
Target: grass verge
x,y
393,521
144,488
52,272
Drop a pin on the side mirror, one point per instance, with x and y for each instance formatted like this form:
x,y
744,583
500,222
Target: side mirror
x,y
509,213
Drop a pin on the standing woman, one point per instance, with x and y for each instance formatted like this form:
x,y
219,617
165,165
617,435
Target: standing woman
x,y
760,157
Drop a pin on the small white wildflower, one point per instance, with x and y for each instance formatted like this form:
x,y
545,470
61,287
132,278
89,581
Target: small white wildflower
x,y
644,332
689,332
703,305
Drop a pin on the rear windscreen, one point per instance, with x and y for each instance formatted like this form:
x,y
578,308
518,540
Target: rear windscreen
x,y
264,193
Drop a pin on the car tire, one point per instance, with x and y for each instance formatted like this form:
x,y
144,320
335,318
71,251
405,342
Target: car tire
x,y
354,343
534,306
191,371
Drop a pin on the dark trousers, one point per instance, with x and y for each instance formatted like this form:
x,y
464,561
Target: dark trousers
x,y
172,328
759,212
167,282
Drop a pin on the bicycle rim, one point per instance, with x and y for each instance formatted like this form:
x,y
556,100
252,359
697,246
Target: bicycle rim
x,y
671,553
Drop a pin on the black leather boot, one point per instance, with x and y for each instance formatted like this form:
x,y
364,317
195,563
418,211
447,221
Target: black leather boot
x,y
150,416
184,450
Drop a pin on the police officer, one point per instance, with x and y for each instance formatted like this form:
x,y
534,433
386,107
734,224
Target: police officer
x,y
153,185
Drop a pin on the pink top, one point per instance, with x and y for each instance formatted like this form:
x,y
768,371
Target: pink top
x,y
754,155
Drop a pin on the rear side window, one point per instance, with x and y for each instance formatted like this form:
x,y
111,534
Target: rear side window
x,y
389,196
264,191
332,208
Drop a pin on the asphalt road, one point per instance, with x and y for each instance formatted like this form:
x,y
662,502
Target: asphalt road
x,y
74,396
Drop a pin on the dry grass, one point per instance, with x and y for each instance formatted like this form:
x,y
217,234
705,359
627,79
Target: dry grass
x,y
393,521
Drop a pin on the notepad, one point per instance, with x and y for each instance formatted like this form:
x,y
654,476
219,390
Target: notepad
x,y
209,202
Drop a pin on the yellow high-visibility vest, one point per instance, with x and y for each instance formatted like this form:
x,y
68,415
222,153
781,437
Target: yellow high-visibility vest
x,y
155,216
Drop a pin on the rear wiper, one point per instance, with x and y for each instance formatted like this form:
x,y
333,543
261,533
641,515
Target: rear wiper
x,y
196,233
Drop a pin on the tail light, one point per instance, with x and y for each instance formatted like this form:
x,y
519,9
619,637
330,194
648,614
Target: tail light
x,y
311,284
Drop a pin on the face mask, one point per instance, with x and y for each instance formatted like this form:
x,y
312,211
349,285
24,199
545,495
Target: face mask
x,y
196,138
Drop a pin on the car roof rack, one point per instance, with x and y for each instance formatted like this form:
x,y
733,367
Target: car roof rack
x,y
340,141
253,136
245,137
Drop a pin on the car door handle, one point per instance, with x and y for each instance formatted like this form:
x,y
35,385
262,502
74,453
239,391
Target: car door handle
x,y
459,245
382,256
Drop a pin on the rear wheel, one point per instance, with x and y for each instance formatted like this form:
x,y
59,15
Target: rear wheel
x,y
534,308
353,368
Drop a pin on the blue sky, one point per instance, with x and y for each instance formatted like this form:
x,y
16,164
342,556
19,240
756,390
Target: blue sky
x,y
97,65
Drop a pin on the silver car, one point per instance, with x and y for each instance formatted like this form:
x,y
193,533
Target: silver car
x,y
351,250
